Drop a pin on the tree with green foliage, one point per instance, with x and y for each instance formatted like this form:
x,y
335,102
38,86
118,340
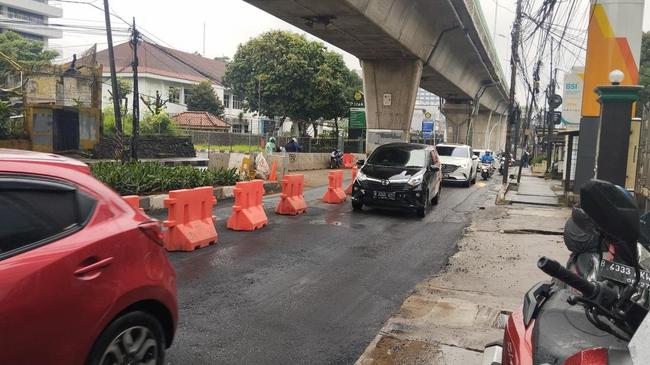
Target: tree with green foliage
x,y
293,77
109,121
30,55
644,73
335,86
18,54
160,123
204,99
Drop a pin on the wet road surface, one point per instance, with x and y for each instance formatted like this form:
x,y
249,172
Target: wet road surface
x,y
311,289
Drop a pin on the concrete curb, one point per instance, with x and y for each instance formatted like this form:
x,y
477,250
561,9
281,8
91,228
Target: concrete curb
x,y
157,202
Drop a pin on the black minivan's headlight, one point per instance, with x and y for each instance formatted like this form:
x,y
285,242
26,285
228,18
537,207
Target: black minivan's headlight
x,y
416,179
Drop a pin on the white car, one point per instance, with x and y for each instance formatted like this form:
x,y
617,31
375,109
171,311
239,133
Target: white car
x,y
458,163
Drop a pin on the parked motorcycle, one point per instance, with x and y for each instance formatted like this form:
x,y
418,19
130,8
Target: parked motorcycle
x,y
336,159
502,165
564,326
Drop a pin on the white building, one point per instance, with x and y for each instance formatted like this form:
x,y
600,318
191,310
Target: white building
x,y
172,74
29,18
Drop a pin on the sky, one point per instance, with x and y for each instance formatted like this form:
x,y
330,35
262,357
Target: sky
x,y
228,23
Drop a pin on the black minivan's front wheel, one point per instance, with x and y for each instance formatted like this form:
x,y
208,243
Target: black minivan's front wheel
x,y
357,205
134,338
423,211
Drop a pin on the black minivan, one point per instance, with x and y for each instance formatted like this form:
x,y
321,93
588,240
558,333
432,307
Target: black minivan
x,y
399,176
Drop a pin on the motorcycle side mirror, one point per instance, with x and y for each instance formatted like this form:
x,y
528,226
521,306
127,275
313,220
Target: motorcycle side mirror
x,y
615,213
361,162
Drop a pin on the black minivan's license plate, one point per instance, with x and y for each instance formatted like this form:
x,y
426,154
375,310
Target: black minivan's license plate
x,y
387,195
622,273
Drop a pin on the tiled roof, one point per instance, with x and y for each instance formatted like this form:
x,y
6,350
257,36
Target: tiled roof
x,y
199,120
165,61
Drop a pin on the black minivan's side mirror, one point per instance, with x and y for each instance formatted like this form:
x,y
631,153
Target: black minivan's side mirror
x,y
361,162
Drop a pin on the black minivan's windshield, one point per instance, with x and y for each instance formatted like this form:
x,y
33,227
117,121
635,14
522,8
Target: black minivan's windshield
x,y
400,156
453,151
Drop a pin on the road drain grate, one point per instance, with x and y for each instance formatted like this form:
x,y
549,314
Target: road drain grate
x,y
501,320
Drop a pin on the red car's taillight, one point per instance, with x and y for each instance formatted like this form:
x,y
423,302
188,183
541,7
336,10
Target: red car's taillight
x,y
153,230
596,356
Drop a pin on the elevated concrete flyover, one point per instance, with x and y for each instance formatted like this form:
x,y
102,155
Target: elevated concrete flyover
x,y
441,45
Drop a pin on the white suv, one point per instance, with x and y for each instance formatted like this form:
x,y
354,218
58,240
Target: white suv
x,y
458,163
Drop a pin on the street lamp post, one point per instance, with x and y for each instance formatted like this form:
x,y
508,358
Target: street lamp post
x,y
614,131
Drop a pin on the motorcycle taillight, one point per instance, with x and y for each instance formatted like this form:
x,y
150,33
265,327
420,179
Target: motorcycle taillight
x,y
595,356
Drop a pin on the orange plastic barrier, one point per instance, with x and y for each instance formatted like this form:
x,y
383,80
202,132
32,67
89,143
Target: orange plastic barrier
x,y
335,193
190,221
248,212
292,200
133,200
273,176
348,160
348,190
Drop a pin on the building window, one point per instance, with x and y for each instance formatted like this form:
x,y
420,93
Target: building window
x,y
187,93
236,103
226,100
174,94
25,15
30,37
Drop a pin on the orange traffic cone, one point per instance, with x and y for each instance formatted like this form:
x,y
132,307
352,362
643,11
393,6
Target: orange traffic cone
x,y
273,176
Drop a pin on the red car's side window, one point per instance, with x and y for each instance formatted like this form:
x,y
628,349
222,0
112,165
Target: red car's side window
x,y
36,211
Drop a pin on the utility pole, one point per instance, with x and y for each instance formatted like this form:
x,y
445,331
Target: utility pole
x,y
514,59
550,91
135,37
114,86
529,111
203,39
552,104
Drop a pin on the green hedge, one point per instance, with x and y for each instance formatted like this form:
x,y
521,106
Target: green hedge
x,y
538,159
142,178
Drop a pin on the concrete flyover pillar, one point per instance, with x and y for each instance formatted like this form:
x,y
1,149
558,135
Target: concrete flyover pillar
x,y
390,89
457,116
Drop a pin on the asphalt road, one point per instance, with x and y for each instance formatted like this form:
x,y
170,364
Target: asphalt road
x,y
311,289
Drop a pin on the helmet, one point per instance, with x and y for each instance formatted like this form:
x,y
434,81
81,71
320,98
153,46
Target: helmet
x,y
294,140
272,139
580,233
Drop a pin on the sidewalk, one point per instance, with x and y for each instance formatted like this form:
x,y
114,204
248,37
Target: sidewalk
x,y
451,316
532,190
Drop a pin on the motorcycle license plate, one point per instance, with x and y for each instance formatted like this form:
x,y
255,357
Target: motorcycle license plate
x,y
622,273
386,195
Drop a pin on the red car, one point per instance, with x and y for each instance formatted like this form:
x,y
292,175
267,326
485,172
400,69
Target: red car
x,y
84,278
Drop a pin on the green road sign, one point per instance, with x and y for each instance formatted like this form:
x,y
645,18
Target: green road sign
x,y
357,118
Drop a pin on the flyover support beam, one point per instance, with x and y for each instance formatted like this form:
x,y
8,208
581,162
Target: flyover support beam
x,y
390,89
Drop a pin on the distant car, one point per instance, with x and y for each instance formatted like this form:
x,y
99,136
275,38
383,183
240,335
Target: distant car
x,y
399,175
458,163
85,279
478,153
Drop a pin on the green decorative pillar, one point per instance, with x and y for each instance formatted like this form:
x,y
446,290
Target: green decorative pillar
x,y
614,131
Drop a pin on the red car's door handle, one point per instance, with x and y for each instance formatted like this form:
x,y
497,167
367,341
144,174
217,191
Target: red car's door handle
x,y
96,265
